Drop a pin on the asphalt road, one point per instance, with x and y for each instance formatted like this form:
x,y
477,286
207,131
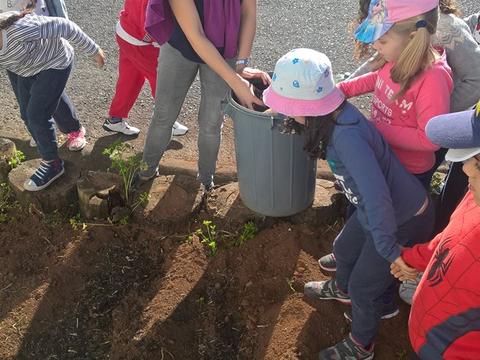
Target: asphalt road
x,y
282,25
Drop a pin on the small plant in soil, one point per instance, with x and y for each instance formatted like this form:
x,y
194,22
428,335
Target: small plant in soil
x,y
17,158
249,231
207,234
76,223
127,166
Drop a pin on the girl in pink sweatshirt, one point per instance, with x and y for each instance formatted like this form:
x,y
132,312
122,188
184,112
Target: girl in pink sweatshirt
x,y
413,85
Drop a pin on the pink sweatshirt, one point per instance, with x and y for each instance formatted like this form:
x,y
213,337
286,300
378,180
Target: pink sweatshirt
x,y
402,122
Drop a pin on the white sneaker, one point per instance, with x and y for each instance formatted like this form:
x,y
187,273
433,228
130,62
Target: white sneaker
x,y
120,127
179,129
33,143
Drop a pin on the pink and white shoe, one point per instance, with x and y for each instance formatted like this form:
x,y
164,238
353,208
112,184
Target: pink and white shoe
x,y
76,140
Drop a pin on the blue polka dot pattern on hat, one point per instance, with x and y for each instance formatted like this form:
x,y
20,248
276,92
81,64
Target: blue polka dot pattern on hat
x,y
327,73
296,84
295,61
319,89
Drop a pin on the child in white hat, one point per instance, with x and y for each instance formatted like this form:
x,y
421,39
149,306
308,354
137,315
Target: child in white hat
x,y
392,207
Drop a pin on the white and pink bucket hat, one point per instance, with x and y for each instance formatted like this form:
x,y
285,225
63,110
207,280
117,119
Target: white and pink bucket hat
x,y
303,85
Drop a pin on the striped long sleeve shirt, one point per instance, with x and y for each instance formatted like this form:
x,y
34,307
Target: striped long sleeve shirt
x,y
36,43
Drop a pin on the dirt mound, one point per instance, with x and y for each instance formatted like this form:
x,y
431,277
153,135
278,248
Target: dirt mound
x,y
138,292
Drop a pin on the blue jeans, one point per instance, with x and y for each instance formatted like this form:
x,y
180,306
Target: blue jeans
x,y
38,98
65,115
365,275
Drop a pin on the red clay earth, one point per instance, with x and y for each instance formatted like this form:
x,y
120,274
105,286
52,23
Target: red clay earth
x,y
141,291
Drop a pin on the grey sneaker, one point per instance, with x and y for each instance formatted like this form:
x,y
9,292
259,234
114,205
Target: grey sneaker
x,y
347,349
389,311
325,290
328,263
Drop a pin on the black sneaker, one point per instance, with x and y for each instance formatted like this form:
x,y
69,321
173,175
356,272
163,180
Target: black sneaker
x,y
347,349
325,290
328,263
389,311
47,173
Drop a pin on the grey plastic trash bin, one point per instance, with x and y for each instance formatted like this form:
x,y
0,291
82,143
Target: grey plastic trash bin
x,y
276,176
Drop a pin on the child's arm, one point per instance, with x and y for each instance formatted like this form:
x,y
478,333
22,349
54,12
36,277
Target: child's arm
x,y
361,85
51,27
419,256
433,98
187,16
358,157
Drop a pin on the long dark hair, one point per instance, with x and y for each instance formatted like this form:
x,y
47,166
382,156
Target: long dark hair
x,y
318,132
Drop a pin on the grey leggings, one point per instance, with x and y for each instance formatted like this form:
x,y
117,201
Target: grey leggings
x,y
174,77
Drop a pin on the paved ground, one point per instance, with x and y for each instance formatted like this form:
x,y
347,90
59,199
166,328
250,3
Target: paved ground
x,y
282,25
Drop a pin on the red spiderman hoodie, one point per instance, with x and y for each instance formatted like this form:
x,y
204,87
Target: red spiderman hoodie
x,y
445,316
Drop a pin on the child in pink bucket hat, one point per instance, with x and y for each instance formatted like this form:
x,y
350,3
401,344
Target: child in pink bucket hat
x,y
392,208
305,86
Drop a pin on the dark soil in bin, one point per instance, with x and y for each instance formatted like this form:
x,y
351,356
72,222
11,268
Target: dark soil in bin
x,y
141,291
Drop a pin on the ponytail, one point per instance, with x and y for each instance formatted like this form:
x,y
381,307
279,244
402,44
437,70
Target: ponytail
x,y
419,53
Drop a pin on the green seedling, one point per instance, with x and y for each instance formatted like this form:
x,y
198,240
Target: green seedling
x,y
249,231
77,224
127,166
17,158
207,234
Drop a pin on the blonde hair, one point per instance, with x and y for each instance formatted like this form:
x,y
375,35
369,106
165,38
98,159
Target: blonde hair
x,y
419,54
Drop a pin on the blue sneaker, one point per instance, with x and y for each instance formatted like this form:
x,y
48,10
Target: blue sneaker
x,y
47,173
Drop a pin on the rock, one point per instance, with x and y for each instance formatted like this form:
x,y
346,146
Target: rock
x,y
172,199
59,196
7,150
100,186
225,203
97,208
328,205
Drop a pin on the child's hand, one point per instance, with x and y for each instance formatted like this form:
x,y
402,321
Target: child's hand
x,y
99,58
250,73
402,271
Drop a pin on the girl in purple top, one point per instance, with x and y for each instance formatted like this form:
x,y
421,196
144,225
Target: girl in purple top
x,y
209,37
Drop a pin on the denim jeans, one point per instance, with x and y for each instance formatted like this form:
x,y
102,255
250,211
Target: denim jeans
x,y
65,115
38,98
365,275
